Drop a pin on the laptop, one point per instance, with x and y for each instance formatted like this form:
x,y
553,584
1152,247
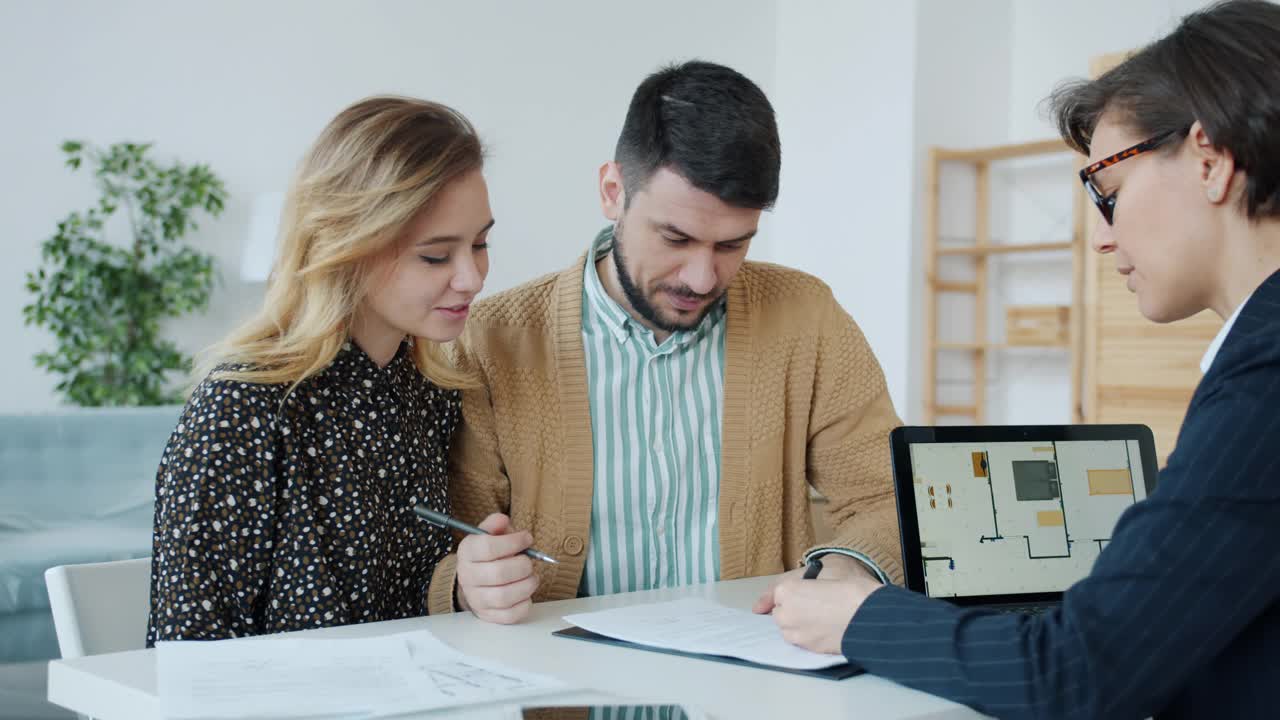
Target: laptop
x,y
1009,517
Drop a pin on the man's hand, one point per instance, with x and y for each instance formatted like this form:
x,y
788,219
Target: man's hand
x,y
815,613
494,580
834,567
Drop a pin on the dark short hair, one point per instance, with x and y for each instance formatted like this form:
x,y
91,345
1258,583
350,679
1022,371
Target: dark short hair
x,y
708,123
1221,66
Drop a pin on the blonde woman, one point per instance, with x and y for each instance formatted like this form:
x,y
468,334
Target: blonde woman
x,y
284,497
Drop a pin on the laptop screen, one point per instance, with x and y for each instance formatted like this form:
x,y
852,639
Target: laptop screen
x,y
1001,518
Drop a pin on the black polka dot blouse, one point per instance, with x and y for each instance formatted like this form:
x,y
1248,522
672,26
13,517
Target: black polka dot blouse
x,y
278,513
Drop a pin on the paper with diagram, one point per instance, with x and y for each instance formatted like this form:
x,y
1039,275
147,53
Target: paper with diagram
x,y
1018,517
326,677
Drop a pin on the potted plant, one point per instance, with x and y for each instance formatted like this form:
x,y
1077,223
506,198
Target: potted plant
x,y
104,301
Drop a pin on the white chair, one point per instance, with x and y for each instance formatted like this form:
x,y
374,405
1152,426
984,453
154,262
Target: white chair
x,y
100,607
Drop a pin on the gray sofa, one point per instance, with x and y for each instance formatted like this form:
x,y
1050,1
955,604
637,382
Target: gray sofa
x,y
76,486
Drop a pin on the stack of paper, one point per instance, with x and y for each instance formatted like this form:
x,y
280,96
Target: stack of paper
x,y
699,626
364,677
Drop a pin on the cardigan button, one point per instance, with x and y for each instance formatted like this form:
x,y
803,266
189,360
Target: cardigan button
x,y
573,545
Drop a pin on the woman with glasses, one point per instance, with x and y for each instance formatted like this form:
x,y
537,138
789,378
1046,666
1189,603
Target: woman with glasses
x,y
1180,616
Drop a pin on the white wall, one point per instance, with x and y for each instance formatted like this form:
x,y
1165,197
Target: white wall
x,y
1051,42
245,86
961,94
862,90
983,69
860,87
1054,41
845,104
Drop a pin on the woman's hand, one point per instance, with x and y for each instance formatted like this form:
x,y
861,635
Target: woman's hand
x,y
495,581
815,613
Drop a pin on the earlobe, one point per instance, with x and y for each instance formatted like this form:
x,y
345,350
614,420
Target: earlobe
x,y
1217,166
1219,178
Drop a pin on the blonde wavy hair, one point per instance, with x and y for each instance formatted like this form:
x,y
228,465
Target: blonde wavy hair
x,y
373,168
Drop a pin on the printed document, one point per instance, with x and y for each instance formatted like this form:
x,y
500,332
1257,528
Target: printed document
x,y
323,677
700,626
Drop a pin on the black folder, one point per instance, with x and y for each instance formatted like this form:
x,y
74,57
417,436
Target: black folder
x,y
838,672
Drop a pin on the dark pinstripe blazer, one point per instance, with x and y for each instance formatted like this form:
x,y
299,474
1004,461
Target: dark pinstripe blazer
x,y
1180,616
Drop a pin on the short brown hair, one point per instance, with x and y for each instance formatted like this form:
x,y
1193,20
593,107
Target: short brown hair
x,y
1220,66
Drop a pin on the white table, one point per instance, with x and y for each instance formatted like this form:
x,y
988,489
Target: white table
x,y
123,685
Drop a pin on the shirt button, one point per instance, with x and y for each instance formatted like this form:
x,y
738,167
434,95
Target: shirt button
x,y
657,445
573,545
662,529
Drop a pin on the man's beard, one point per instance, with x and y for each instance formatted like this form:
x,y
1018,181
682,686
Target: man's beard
x,y
640,302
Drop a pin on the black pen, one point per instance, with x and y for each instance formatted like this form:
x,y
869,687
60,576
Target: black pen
x,y
815,567
442,520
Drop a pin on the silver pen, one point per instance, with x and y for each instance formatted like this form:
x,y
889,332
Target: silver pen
x,y
442,520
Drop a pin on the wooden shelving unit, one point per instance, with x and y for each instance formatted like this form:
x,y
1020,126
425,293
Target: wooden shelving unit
x,y
1004,249
999,346
979,252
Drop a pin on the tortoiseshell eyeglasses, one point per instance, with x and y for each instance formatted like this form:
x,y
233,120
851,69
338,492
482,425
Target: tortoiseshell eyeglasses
x,y
1107,203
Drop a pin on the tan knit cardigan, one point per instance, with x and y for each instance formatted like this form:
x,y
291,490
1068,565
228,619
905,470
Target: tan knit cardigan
x,y
805,403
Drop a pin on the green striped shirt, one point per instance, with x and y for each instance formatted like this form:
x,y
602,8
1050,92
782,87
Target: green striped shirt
x,y
655,426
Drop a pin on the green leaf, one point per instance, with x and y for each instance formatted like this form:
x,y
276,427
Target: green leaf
x,y
103,303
